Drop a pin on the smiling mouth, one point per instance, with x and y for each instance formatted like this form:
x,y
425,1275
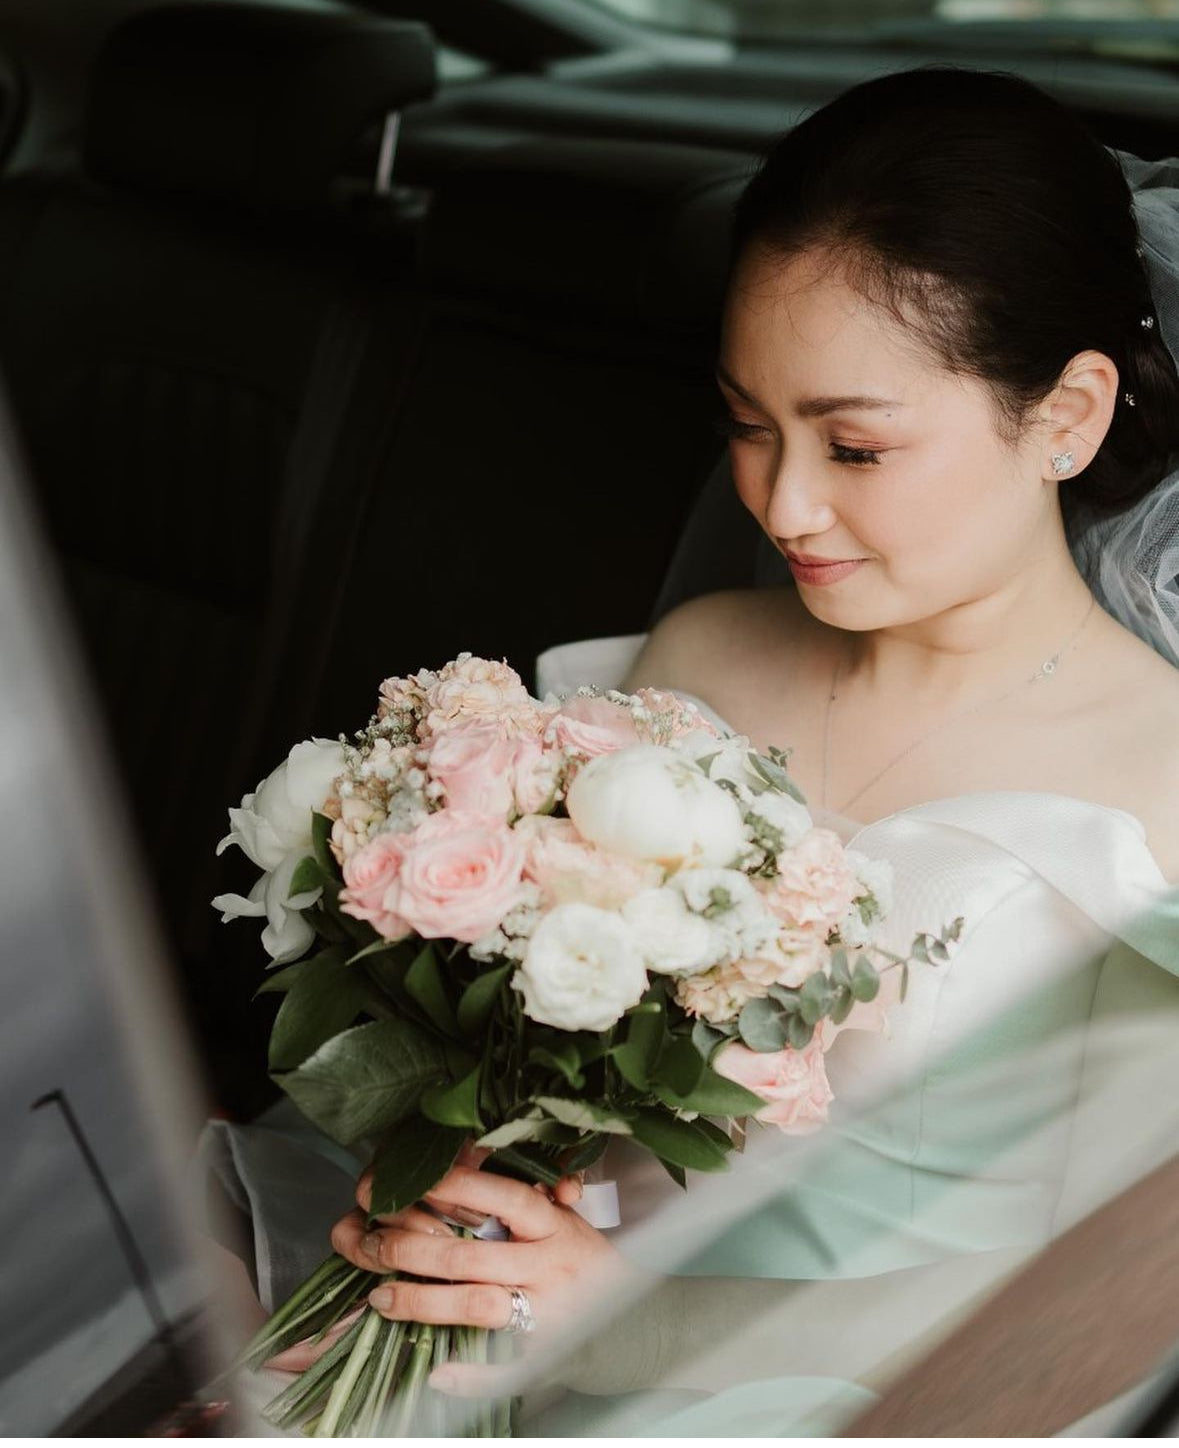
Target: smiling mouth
x,y
807,560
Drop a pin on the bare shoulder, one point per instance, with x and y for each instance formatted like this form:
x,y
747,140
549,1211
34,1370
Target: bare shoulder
x,y
702,644
1142,722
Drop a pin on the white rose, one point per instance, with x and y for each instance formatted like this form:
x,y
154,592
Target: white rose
x,y
673,940
736,908
273,827
725,758
582,969
287,935
784,814
649,803
876,877
275,820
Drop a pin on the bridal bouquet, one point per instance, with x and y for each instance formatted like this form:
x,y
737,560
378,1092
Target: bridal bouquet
x,y
537,925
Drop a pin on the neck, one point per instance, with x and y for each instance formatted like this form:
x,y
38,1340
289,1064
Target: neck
x,y
981,643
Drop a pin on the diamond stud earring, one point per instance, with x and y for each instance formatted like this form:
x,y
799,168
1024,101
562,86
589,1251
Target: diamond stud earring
x,y
1063,463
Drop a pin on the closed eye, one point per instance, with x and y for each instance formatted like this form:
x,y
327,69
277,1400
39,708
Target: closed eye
x,y
734,429
856,456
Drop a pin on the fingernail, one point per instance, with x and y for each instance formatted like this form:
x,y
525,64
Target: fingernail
x,y
381,1298
370,1245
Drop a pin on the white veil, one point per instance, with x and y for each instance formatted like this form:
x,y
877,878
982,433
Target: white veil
x,y
1131,561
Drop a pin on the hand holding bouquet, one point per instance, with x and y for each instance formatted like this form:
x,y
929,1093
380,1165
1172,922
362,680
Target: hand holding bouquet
x,y
538,926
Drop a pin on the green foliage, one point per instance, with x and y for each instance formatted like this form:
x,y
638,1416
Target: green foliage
x,y
563,1059
284,979
646,1035
455,1104
713,1095
865,981
321,833
680,1143
680,1066
478,1000
707,1039
322,1000
308,876
583,1115
762,1024
365,1080
425,985
411,1161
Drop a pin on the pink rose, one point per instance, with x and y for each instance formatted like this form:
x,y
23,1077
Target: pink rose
x,y
371,886
474,765
460,875
536,774
593,726
793,1084
568,870
815,884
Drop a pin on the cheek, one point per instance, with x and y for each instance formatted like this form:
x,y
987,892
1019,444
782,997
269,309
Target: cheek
x,y
751,468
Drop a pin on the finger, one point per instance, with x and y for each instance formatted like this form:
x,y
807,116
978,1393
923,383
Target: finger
x,y
465,1304
527,1213
352,1239
301,1355
472,1155
453,1259
567,1192
364,1189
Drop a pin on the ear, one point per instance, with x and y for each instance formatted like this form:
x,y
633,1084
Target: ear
x,y
1077,413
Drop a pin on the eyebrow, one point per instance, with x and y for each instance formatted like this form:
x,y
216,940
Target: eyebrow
x,y
817,406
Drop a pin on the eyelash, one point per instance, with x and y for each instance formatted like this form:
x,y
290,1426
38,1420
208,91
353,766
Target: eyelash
x,y
734,429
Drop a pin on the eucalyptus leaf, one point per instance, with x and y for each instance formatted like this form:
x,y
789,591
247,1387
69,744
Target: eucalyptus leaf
x,y
424,984
411,1161
478,1000
682,1143
455,1104
798,1033
840,973
320,1003
865,983
844,1000
814,999
763,1026
365,1080
583,1115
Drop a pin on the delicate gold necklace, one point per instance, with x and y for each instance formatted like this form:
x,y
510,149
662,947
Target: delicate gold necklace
x,y
1045,671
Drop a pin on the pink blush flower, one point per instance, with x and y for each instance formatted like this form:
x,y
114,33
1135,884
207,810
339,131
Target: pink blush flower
x,y
474,765
371,876
482,691
815,884
793,1084
568,870
461,873
593,726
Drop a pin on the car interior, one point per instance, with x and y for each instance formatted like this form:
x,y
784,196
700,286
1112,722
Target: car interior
x,y
341,338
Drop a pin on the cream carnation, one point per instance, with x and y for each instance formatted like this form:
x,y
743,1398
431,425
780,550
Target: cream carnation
x,y
472,689
815,884
648,803
582,970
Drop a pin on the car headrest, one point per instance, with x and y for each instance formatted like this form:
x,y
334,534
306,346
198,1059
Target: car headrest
x,y
608,228
247,103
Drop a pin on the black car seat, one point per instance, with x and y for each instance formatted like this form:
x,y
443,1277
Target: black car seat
x,y
205,343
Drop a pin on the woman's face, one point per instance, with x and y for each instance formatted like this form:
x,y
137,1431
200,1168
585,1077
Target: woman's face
x,y
880,475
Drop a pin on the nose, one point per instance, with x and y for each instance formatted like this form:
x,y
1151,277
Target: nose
x,y
798,505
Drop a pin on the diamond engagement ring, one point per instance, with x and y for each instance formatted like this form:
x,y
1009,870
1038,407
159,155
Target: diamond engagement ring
x,y
521,1319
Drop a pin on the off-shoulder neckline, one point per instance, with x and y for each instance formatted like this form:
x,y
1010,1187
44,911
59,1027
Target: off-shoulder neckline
x,y
1026,794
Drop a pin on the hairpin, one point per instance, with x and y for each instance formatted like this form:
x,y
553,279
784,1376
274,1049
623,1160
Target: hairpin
x,y
1129,396
1148,323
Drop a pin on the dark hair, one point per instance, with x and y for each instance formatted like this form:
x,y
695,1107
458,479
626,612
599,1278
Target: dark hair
x,y
973,205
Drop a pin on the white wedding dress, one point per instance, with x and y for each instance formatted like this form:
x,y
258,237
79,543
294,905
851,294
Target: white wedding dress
x,y
965,1135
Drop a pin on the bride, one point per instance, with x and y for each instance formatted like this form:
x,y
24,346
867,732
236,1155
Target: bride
x,y
950,404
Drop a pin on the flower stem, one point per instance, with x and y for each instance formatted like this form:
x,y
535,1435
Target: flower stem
x,y
342,1387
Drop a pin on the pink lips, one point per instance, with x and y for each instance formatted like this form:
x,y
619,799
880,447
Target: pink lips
x,y
807,569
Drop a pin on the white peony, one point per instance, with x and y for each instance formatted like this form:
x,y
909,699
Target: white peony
x,y
272,827
582,969
649,803
286,935
673,939
275,820
791,819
